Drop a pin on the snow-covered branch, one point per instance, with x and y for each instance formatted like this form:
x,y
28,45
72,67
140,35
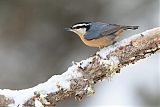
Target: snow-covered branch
x,y
80,78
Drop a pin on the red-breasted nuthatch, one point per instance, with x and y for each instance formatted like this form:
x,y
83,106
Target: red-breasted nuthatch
x,y
98,34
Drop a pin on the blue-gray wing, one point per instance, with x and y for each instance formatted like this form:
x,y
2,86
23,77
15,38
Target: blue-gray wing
x,y
99,29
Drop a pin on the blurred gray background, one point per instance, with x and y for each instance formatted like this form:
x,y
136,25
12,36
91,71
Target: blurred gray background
x,y
34,46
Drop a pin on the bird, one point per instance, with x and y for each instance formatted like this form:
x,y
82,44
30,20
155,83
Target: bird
x,y
98,34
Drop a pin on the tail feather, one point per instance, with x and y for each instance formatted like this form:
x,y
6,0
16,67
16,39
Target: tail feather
x,y
131,27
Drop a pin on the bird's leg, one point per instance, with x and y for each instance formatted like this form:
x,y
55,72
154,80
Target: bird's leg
x,y
114,42
101,47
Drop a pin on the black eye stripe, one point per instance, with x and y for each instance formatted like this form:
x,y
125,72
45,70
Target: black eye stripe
x,y
88,27
77,27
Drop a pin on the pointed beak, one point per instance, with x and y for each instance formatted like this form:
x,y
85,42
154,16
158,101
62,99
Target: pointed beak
x,y
68,29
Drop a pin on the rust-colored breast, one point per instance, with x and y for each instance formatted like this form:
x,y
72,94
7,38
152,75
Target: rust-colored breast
x,y
99,42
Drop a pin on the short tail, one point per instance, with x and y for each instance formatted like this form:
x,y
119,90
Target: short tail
x,y
131,27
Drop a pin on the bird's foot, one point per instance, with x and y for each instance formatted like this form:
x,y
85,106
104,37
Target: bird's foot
x,y
114,42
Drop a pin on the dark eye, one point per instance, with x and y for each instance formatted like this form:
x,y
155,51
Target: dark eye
x,y
88,27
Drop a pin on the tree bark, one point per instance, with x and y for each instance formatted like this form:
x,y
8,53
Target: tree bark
x,y
80,78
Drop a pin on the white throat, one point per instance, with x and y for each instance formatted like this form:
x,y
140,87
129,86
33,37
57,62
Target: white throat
x,y
80,31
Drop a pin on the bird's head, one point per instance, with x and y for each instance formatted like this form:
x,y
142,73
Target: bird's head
x,y
80,28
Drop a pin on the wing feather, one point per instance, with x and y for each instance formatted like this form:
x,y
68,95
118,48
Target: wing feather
x,y
99,29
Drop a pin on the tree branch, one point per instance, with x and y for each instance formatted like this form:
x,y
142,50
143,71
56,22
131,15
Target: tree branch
x,y
80,78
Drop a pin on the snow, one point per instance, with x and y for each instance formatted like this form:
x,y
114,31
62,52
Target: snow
x,y
20,96
85,63
105,51
38,103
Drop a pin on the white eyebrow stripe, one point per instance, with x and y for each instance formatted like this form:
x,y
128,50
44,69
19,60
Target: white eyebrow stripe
x,y
81,25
